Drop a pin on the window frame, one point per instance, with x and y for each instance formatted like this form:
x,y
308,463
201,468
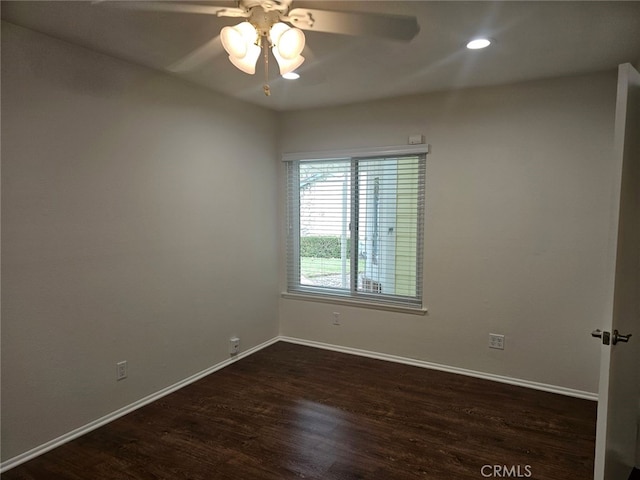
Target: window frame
x,y
294,288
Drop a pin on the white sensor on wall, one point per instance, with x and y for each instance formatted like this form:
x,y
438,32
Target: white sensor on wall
x,y
417,139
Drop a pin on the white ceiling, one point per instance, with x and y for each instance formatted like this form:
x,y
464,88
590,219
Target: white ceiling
x,y
532,40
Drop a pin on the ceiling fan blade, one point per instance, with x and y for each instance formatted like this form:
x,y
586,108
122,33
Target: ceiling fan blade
x,y
198,57
395,27
178,7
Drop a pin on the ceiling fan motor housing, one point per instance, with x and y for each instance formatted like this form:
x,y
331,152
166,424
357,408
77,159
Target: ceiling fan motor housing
x,y
263,20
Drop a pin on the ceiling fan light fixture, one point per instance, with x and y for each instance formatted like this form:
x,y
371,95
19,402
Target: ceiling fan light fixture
x,y
275,25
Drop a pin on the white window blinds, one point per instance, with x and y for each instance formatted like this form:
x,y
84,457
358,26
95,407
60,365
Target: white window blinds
x,y
355,227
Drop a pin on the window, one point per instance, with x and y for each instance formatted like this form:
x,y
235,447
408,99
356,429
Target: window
x,y
355,226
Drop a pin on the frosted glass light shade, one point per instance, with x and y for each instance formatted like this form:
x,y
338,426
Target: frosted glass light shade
x,y
288,41
248,63
236,39
291,43
277,29
233,42
240,43
248,31
286,65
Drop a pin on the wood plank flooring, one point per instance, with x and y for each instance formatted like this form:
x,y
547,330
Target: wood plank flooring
x,y
291,412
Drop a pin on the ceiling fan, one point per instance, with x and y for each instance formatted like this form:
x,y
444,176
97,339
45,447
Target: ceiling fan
x,y
273,24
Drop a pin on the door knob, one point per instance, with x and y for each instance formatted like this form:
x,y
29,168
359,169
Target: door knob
x,y
608,338
617,337
605,336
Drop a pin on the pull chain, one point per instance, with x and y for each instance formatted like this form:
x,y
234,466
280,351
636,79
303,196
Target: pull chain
x,y
265,87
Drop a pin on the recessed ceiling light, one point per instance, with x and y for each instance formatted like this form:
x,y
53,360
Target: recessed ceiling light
x,y
478,43
291,76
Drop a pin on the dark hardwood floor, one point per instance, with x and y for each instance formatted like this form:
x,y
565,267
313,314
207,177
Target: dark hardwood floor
x,y
291,412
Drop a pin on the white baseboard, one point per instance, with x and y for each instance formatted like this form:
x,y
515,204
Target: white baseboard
x,y
445,368
67,437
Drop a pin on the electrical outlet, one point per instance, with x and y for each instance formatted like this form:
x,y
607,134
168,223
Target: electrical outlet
x,y
121,370
234,345
496,341
336,318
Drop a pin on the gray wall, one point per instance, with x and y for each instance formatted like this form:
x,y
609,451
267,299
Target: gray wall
x,y
138,224
519,197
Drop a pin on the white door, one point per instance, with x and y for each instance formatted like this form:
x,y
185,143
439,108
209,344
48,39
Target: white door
x,y
619,390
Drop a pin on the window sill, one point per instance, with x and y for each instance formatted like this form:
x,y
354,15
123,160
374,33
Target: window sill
x,y
354,303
